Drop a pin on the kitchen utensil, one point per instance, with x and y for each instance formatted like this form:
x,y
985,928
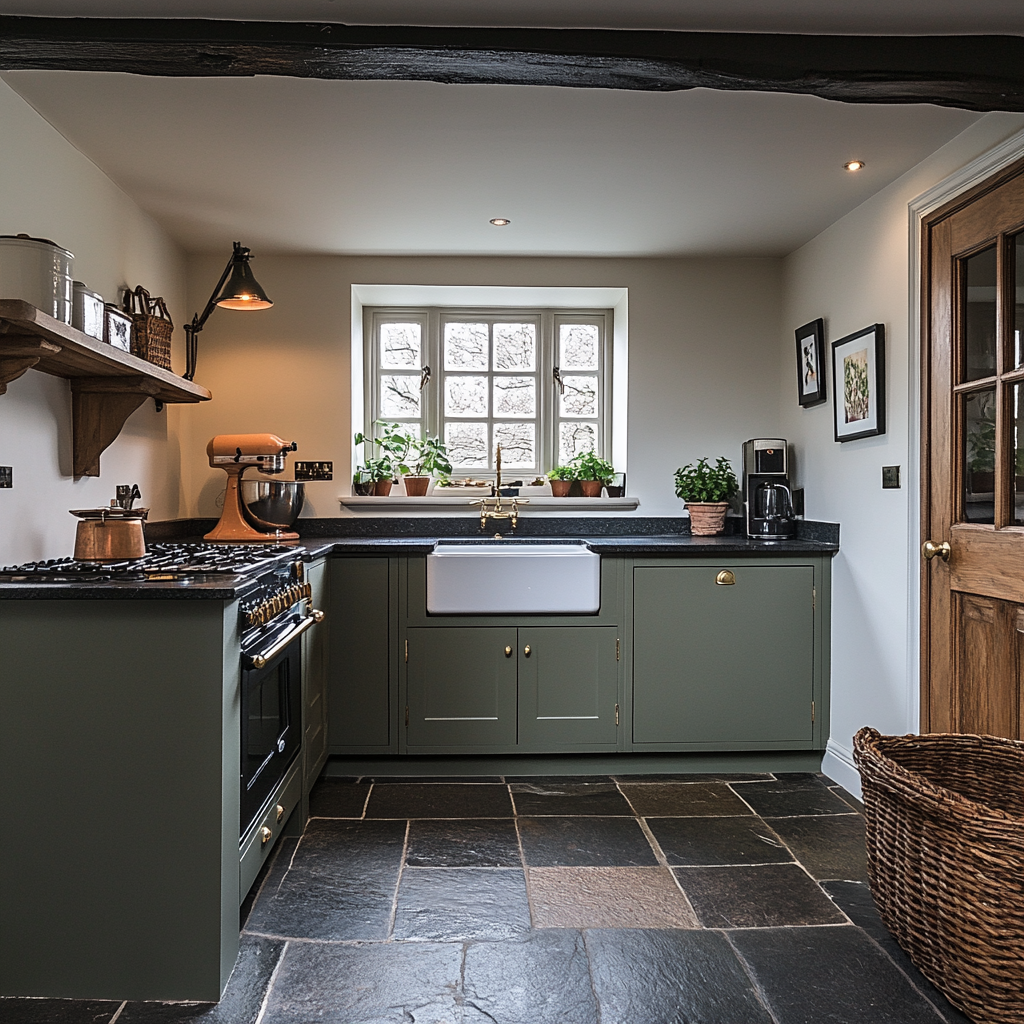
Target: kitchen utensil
x,y
272,504
37,271
127,495
110,534
87,311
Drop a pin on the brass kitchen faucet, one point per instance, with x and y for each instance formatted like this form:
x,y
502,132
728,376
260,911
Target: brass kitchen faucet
x,y
499,510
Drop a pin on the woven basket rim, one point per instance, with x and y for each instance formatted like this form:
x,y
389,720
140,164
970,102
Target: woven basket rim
x,y
868,752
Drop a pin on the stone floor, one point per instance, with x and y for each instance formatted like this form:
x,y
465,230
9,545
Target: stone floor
x,y
686,899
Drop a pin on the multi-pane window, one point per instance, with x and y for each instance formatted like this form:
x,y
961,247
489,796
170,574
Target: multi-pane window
x,y
534,381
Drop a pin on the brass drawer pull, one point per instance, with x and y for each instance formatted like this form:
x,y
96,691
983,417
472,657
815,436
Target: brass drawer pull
x,y
526,650
726,578
280,813
508,651
265,835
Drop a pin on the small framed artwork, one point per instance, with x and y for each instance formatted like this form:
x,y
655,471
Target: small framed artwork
x,y
810,363
858,393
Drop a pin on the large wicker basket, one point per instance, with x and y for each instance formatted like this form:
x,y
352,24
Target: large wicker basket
x,y
945,831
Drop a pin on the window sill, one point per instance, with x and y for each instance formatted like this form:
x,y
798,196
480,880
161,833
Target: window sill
x,y
403,503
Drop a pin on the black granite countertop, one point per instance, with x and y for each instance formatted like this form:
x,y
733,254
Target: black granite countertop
x,y
627,535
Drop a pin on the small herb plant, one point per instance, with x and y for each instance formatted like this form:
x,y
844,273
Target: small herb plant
x,y
394,448
562,473
430,457
706,483
587,466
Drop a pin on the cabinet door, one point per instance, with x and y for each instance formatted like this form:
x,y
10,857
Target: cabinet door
x,y
723,666
568,686
358,704
462,687
314,681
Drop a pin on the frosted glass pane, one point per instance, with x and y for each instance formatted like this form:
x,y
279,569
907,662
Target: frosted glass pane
x,y
515,347
465,396
467,444
399,395
515,396
517,444
579,397
465,346
399,346
578,347
574,438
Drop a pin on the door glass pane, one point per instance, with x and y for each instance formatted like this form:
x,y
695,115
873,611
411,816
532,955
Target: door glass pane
x,y
1018,302
980,456
399,346
1017,405
979,323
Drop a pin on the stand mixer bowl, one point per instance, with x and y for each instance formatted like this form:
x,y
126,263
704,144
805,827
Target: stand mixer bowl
x,y
272,504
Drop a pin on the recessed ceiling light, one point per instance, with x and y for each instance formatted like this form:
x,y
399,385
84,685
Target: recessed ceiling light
x,y
500,222
853,165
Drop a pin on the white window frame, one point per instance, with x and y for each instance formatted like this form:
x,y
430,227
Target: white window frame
x,y
431,420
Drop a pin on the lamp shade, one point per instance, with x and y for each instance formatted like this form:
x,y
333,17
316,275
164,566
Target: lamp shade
x,y
242,290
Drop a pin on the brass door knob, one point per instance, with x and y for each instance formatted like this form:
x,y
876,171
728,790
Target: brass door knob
x,y
930,549
726,578
526,650
508,652
265,835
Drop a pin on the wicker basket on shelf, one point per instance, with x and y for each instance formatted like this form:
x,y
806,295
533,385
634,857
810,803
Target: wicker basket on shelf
x,y
945,833
151,327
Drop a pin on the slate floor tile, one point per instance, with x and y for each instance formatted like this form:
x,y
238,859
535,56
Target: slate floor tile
x,y
670,977
810,975
381,983
330,798
427,780
467,843
460,904
607,898
14,1010
537,798
684,778
242,999
559,780
828,845
696,799
544,979
706,841
791,795
340,883
585,842
848,798
855,899
767,896
439,800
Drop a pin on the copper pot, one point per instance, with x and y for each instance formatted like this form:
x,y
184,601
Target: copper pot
x,y
110,534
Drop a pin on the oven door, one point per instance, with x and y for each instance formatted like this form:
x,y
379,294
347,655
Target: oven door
x,y
271,720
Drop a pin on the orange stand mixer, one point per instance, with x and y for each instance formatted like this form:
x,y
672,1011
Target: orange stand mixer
x,y
235,453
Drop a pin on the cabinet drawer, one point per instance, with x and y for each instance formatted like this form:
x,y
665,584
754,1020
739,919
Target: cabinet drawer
x,y
257,846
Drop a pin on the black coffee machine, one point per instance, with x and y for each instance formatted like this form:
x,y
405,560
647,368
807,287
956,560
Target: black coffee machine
x,y
767,500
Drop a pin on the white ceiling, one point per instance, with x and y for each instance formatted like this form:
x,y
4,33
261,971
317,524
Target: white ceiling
x,y
297,165
880,17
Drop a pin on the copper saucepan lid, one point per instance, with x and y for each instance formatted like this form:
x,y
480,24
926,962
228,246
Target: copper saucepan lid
x,y
112,512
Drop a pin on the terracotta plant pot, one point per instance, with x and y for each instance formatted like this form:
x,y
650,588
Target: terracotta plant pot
x,y
382,488
707,518
591,488
416,486
560,488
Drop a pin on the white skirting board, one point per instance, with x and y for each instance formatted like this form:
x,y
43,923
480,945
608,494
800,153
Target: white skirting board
x,y
837,764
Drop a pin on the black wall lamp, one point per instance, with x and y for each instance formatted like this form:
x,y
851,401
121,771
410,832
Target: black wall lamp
x,y
236,289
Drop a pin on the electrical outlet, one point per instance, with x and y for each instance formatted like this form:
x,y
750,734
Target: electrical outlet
x,y
6,473
314,470
890,478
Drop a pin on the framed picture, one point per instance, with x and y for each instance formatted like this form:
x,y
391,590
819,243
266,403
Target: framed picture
x,y
858,392
810,363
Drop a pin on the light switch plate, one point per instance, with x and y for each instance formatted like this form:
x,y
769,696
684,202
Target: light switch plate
x,y
6,476
890,478
314,470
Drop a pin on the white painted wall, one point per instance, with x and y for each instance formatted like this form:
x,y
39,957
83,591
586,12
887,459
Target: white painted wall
x,y
702,345
854,274
49,190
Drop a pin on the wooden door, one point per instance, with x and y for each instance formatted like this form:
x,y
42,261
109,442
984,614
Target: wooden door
x,y
972,491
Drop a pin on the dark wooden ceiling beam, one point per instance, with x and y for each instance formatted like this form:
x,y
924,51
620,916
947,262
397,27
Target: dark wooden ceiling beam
x,y
972,72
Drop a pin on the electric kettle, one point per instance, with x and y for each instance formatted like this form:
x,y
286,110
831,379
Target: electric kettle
x,y
774,501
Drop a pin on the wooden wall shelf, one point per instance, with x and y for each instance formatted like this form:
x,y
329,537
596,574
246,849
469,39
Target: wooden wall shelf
x,y
107,385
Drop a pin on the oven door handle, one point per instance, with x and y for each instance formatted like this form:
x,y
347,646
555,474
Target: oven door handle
x,y
261,660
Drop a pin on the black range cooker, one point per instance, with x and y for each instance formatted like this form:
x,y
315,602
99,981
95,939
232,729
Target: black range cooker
x,y
274,611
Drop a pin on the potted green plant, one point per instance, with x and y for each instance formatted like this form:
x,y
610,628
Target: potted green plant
x,y
561,478
592,472
428,456
706,490
394,447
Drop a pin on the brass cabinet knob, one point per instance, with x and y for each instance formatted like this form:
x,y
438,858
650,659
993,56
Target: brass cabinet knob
x,y
726,578
508,651
930,549
280,813
316,615
526,650
265,835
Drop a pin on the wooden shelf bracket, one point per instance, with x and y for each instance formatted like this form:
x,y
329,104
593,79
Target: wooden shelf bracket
x,y
99,408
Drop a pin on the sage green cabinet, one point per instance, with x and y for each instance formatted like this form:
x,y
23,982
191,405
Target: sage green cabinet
x,y
724,665
314,681
361,694
509,689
